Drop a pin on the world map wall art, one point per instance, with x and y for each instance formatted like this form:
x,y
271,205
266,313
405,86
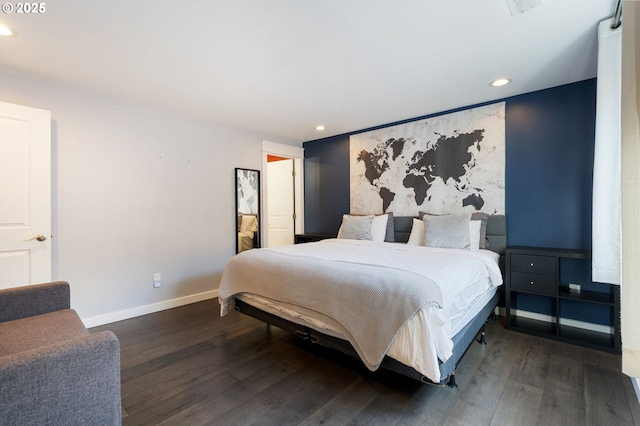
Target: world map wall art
x,y
451,163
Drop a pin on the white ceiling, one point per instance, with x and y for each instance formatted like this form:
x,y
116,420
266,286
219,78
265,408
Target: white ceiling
x,y
283,66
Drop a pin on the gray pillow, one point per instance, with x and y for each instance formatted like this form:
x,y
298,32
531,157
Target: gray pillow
x,y
356,227
482,217
390,235
447,231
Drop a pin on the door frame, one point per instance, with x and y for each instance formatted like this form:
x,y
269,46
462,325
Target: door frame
x,y
297,154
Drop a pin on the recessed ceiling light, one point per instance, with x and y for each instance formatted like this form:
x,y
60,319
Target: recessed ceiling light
x,y
500,82
320,128
5,31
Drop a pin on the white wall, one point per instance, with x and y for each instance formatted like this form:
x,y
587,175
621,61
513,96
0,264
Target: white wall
x,y
136,190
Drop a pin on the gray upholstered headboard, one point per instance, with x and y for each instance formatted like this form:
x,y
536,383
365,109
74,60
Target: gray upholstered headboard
x,y
402,228
496,231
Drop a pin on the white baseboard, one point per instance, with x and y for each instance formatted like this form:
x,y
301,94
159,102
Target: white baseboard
x,y
636,386
147,309
564,321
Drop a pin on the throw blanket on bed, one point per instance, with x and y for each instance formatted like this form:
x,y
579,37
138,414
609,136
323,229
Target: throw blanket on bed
x,y
355,295
345,281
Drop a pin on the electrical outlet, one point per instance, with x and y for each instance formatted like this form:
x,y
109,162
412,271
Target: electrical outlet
x,y
157,279
574,287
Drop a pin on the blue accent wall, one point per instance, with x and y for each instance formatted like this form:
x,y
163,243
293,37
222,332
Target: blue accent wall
x,y
326,184
550,137
549,169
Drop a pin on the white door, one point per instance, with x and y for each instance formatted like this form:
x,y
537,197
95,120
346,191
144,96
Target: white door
x,y
25,195
280,207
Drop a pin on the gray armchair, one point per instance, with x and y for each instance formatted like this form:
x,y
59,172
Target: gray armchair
x,y
52,370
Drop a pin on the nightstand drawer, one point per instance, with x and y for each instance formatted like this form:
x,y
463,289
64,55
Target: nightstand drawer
x,y
534,283
533,264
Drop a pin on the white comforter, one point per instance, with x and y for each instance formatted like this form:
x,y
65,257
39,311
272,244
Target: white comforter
x,y
461,276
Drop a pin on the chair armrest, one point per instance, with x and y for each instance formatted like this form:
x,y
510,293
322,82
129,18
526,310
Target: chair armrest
x,y
74,382
31,300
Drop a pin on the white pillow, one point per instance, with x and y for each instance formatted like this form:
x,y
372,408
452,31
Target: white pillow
x,y
474,234
379,227
416,238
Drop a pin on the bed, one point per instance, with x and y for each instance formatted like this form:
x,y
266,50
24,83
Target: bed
x,y
425,305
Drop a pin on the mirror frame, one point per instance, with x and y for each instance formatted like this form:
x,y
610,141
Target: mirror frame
x,y
247,179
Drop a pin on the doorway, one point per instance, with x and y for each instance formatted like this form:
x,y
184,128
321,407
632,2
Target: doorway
x,y
281,214
282,186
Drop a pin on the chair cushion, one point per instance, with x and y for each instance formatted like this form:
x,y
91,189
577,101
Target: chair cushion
x,y
40,330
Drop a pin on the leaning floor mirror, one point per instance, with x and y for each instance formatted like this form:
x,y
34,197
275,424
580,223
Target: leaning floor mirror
x,y
247,209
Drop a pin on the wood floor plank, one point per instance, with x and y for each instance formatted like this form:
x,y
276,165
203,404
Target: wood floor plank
x,y
562,353
396,395
295,398
431,406
189,366
606,402
166,382
479,398
434,404
174,373
563,396
603,360
281,352
477,402
532,369
170,407
129,373
210,410
519,405
347,404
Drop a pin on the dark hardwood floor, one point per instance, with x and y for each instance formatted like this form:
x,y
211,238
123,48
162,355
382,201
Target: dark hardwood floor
x,y
188,366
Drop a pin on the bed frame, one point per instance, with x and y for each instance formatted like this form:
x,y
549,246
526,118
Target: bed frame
x,y
496,236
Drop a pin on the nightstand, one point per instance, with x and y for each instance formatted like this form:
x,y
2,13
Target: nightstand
x,y
542,277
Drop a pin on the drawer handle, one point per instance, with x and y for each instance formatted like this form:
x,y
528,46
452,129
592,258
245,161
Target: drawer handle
x,y
532,264
531,283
